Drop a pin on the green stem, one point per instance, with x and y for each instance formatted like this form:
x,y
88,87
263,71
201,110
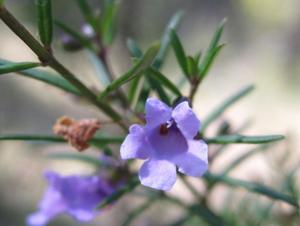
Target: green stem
x,y
102,55
194,82
47,59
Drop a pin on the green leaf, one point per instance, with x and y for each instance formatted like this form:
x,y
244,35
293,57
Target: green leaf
x,y
197,58
45,23
98,140
224,105
108,21
8,67
134,90
212,50
100,69
134,48
1,2
136,71
207,215
128,187
74,34
192,66
165,40
207,65
164,81
240,139
49,78
87,13
179,52
155,85
77,157
136,86
252,187
138,211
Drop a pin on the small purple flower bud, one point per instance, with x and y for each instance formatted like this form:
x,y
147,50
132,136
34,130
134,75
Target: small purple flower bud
x,y
70,44
88,31
166,142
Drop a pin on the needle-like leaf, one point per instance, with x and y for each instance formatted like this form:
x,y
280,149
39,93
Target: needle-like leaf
x,y
136,71
240,139
45,23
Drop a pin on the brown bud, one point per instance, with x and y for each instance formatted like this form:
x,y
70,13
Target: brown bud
x,y
77,132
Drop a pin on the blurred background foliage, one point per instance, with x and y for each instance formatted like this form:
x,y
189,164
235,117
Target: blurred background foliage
x,y
262,48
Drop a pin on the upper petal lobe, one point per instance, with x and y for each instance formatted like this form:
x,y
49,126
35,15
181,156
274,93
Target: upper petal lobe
x,y
157,112
186,120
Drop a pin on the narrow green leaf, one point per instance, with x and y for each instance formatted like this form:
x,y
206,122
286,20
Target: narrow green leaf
x,y
138,211
134,90
134,49
165,40
47,77
154,83
136,86
207,215
252,187
45,22
136,71
128,187
164,81
98,140
75,156
240,139
108,21
87,13
8,67
207,65
100,69
156,86
192,66
211,49
179,52
29,137
74,34
197,58
224,105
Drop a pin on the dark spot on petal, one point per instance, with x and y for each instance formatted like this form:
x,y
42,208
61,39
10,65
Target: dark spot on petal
x,y
163,129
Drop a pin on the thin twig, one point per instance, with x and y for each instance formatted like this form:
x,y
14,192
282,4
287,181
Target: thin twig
x,y
49,60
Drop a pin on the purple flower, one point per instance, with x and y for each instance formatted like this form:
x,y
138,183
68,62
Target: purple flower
x,y
75,195
166,142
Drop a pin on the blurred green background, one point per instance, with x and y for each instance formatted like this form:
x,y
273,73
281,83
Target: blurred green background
x,y
263,48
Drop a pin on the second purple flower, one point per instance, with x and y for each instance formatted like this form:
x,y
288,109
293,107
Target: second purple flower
x,y
166,142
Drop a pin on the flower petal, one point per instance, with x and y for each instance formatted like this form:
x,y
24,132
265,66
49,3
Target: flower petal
x,y
51,205
165,146
82,214
186,120
193,162
37,219
158,174
157,112
134,145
